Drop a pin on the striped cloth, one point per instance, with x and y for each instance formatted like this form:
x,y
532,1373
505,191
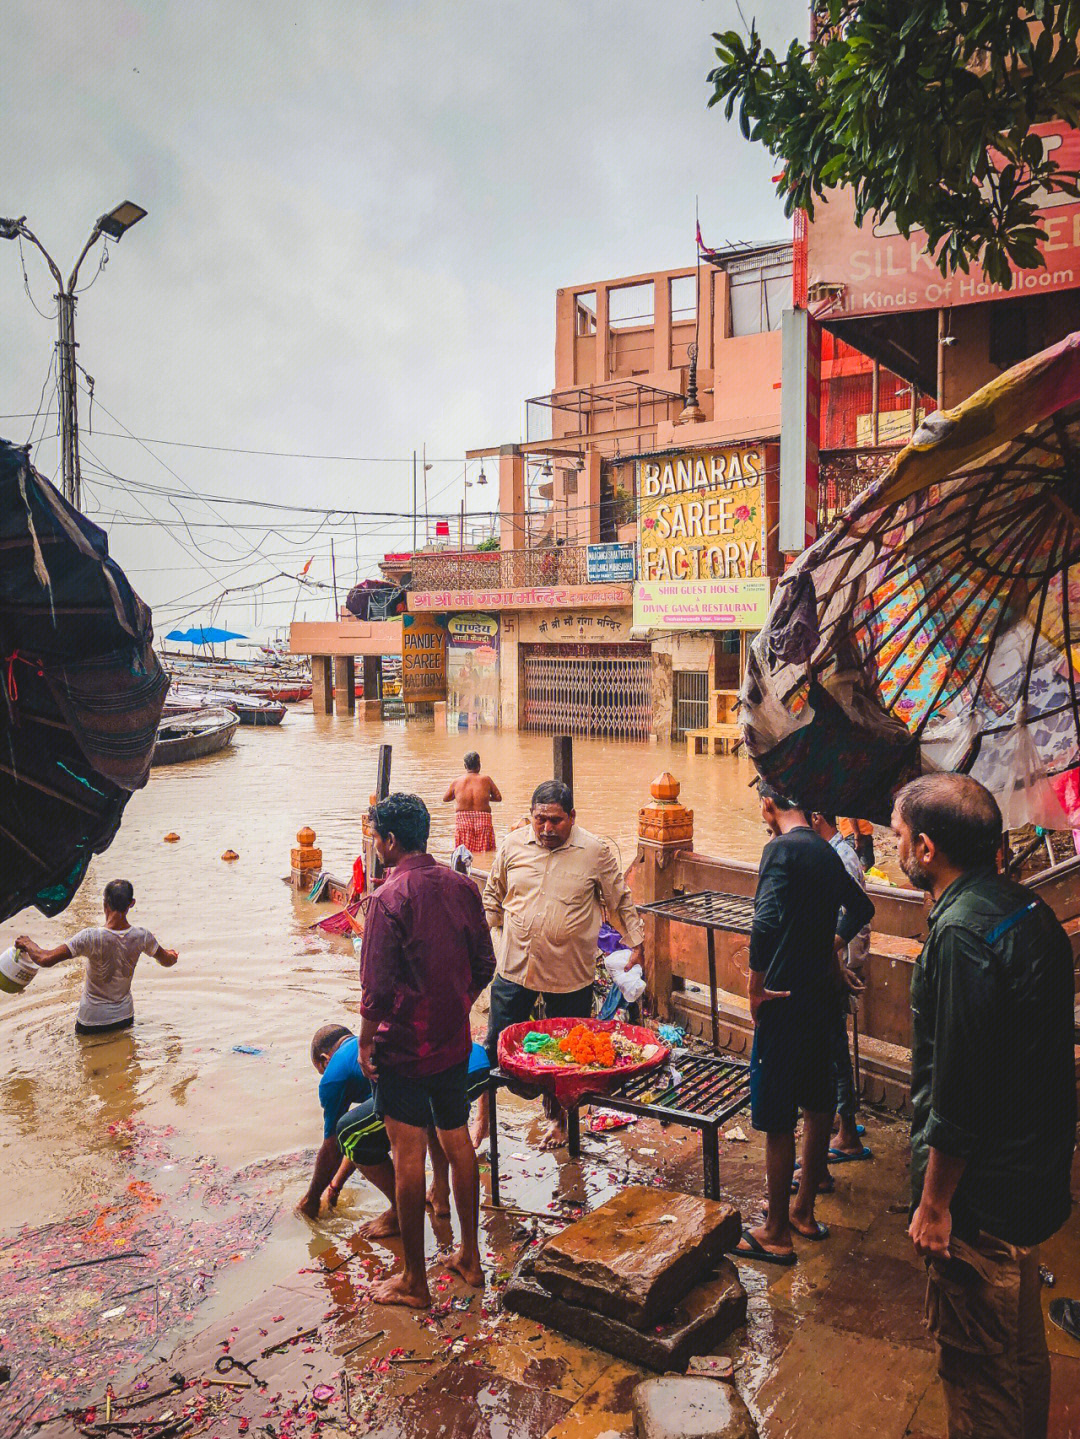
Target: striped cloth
x,y
473,828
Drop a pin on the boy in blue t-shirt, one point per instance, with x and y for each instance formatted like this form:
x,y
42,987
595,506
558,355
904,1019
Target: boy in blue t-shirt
x,y
354,1137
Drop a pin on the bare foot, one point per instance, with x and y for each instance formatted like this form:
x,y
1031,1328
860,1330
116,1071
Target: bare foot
x,y
439,1202
469,1271
554,1136
383,1227
395,1291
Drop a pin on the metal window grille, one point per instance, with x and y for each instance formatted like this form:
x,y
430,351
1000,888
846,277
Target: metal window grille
x,y
599,690
691,695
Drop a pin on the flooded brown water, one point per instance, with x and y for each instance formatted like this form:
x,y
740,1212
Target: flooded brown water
x,y
250,972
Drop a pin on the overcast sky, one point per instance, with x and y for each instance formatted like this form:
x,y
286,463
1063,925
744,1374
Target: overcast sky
x,y
359,214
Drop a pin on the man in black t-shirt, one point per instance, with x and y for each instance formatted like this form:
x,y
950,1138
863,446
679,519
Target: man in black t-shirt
x,y
795,975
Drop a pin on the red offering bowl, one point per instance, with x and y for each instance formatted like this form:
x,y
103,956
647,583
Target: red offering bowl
x,y
568,1082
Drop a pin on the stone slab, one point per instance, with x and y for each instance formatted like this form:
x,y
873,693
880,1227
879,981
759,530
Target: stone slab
x,y
635,1257
696,1325
680,1408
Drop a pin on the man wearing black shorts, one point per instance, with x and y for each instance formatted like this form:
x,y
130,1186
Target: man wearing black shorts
x,y
795,975
425,957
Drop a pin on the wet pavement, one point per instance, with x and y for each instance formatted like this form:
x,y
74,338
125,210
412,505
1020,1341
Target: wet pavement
x,y
832,1346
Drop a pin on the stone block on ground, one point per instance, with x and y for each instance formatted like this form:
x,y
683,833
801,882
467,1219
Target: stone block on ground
x,y
635,1257
675,1407
701,1321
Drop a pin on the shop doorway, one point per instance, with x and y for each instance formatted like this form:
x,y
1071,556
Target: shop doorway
x,y
691,695
604,691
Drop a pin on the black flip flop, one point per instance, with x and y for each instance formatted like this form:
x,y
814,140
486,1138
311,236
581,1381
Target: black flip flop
x,y
1065,1313
821,1231
755,1250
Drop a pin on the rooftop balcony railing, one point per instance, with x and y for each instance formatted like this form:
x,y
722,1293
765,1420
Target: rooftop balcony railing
x,y
512,570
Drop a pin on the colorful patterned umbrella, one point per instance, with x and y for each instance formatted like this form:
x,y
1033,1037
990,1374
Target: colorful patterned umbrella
x,y
935,625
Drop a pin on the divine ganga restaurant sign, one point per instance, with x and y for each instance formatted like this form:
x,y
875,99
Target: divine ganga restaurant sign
x,y
701,538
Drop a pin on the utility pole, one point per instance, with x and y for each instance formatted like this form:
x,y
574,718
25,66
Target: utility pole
x,y
112,225
414,501
333,576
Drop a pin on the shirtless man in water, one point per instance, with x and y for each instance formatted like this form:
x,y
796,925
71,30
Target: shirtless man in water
x,y
472,796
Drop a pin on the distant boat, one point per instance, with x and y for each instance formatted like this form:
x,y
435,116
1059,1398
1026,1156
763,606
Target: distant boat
x,y
195,734
249,709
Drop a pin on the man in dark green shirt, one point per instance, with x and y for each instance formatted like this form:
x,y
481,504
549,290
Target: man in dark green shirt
x,y
993,1094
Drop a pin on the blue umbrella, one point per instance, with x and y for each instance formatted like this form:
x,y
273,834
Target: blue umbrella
x,y
204,635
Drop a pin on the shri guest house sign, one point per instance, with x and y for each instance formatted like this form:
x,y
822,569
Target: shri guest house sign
x,y
701,535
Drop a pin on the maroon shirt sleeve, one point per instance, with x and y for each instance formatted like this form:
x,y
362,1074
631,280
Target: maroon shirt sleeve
x,y
481,949
380,950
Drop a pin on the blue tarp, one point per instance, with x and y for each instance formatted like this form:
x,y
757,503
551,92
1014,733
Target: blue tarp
x,y
204,635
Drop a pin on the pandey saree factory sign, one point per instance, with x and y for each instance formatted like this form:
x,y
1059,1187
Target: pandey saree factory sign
x,y
880,271
423,659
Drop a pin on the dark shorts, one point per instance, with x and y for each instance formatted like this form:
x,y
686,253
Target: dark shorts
x,y
362,1135
441,1100
513,1004
105,1028
791,1065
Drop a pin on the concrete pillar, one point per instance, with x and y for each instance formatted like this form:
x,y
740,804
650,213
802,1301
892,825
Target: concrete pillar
x,y
664,828
344,685
372,677
661,360
322,685
589,499
511,498
602,335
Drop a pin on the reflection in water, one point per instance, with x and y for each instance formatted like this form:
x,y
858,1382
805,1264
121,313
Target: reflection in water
x,y
251,973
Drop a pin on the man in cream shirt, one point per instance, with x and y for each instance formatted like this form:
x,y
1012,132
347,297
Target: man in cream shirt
x,y
545,899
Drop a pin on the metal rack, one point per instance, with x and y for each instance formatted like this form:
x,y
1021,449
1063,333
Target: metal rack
x,y
710,910
709,1090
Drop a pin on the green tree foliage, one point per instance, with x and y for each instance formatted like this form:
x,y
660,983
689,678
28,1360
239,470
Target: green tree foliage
x,y
925,109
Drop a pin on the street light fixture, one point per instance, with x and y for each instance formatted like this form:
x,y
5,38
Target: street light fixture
x,y
122,218
113,224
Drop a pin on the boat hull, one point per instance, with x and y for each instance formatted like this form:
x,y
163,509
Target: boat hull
x,y
180,740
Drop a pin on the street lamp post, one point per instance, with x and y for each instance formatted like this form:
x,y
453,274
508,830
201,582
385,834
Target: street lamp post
x,y
113,225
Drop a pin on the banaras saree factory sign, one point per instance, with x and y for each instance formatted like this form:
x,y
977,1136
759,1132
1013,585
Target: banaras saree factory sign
x,y
701,533
701,515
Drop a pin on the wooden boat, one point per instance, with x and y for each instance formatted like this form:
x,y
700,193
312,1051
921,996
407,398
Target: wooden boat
x,y
191,736
250,709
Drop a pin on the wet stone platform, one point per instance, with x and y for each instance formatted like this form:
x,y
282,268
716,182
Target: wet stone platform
x,y
834,1345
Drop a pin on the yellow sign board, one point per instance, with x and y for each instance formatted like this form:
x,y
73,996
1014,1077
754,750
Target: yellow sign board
x,y
423,659
701,515
701,604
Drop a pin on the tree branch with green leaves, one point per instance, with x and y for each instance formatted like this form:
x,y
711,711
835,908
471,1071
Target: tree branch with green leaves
x,y
925,110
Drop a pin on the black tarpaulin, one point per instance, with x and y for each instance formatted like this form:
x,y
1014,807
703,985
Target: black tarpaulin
x,y
82,691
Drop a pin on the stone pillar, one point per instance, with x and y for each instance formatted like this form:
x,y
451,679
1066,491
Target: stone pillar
x,y
344,685
371,704
306,860
440,707
322,685
664,828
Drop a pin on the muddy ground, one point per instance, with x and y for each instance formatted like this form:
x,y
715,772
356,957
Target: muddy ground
x,y
833,1346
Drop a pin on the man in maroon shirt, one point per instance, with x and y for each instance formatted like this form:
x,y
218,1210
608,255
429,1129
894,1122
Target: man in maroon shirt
x,y
425,957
